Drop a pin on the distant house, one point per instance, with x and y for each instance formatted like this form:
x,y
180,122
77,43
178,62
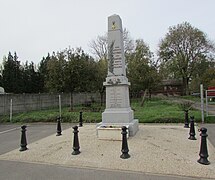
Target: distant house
x,y
2,90
211,91
170,87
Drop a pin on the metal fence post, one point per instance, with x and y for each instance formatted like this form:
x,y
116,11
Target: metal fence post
x,y
11,109
202,101
60,105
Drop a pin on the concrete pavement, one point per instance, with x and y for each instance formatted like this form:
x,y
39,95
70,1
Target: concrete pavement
x,y
156,149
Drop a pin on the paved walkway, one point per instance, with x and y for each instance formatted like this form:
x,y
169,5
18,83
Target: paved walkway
x,y
157,149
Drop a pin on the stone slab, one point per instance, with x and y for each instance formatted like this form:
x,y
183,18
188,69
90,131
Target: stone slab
x,y
132,127
110,133
117,116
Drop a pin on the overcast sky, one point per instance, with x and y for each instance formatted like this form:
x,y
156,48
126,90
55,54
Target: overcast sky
x,y
33,28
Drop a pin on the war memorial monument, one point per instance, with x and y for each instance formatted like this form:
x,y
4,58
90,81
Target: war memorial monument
x,y
118,112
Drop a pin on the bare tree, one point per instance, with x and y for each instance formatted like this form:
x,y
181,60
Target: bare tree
x,y
99,46
128,42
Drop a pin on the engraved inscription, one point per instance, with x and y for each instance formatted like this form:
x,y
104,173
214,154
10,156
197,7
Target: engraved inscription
x,y
115,98
117,57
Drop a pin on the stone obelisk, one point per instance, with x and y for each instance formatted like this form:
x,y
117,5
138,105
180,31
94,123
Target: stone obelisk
x,y
118,111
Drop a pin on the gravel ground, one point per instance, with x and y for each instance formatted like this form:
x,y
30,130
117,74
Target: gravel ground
x,y
160,149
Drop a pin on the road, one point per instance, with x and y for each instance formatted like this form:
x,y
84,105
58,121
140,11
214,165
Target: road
x,y
10,140
28,171
10,134
210,132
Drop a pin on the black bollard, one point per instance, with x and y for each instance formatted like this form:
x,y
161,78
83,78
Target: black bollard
x,y
59,127
23,144
125,149
186,119
192,129
76,146
203,148
80,120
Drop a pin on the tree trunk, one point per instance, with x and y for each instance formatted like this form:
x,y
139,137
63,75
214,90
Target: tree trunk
x,y
185,86
150,94
71,101
101,97
143,98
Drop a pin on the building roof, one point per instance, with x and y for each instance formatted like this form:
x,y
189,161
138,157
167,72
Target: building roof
x,y
173,82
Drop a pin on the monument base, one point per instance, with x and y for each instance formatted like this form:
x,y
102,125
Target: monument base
x,y
112,131
119,115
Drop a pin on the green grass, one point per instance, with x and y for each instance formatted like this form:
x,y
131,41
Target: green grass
x,y
51,115
154,111
160,111
192,98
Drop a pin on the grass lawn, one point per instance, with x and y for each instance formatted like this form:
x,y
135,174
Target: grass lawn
x,y
192,98
160,111
154,111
